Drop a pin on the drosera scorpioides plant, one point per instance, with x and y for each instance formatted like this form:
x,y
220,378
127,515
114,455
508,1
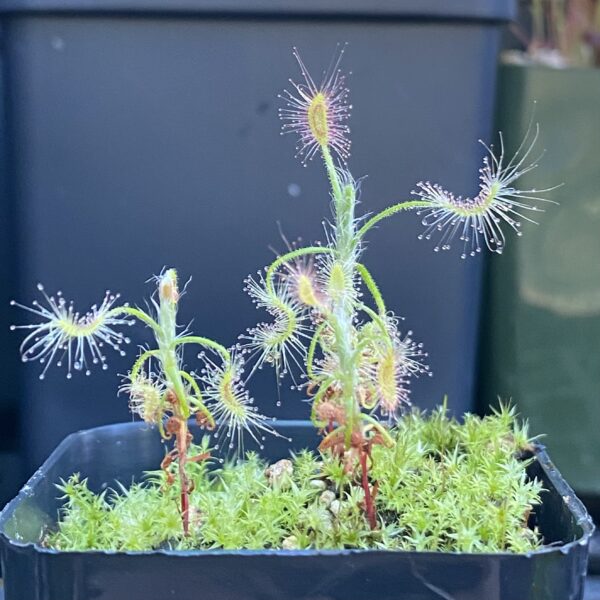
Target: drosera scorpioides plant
x,y
345,349
355,362
161,390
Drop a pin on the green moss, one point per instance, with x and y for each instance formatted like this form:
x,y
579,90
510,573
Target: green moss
x,y
444,486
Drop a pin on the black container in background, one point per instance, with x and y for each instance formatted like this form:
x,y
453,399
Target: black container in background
x,y
124,451
143,136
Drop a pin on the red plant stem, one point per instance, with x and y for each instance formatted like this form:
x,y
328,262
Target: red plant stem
x,y
185,511
369,505
182,442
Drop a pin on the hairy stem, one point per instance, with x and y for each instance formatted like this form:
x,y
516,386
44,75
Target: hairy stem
x,y
372,287
137,313
378,319
347,372
334,180
166,338
311,350
172,373
139,363
206,343
342,313
198,403
388,212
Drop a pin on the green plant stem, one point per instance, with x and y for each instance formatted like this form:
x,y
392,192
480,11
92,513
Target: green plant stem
x,y
199,404
347,372
378,319
134,312
166,337
206,343
311,351
388,212
167,340
172,373
139,363
372,287
342,313
334,180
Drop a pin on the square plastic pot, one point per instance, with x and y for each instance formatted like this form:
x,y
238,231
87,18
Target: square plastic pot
x,y
124,451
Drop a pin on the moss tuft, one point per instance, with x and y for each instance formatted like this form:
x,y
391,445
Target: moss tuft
x,y
444,486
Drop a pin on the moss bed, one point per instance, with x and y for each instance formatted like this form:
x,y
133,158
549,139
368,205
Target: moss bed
x,y
445,486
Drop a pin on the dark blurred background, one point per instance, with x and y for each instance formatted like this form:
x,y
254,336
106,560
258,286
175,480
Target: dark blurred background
x,y
134,137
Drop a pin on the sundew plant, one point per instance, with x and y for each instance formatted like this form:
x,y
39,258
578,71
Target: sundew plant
x,y
330,331
161,390
356,362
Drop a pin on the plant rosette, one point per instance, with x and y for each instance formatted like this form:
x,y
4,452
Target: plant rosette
x,y
441,508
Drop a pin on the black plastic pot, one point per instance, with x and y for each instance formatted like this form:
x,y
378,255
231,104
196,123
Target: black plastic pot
x,y
123,451
144,133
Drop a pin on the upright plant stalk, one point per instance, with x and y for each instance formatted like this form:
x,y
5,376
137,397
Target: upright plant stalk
x,y
167,338
342,306
178,426
343,311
